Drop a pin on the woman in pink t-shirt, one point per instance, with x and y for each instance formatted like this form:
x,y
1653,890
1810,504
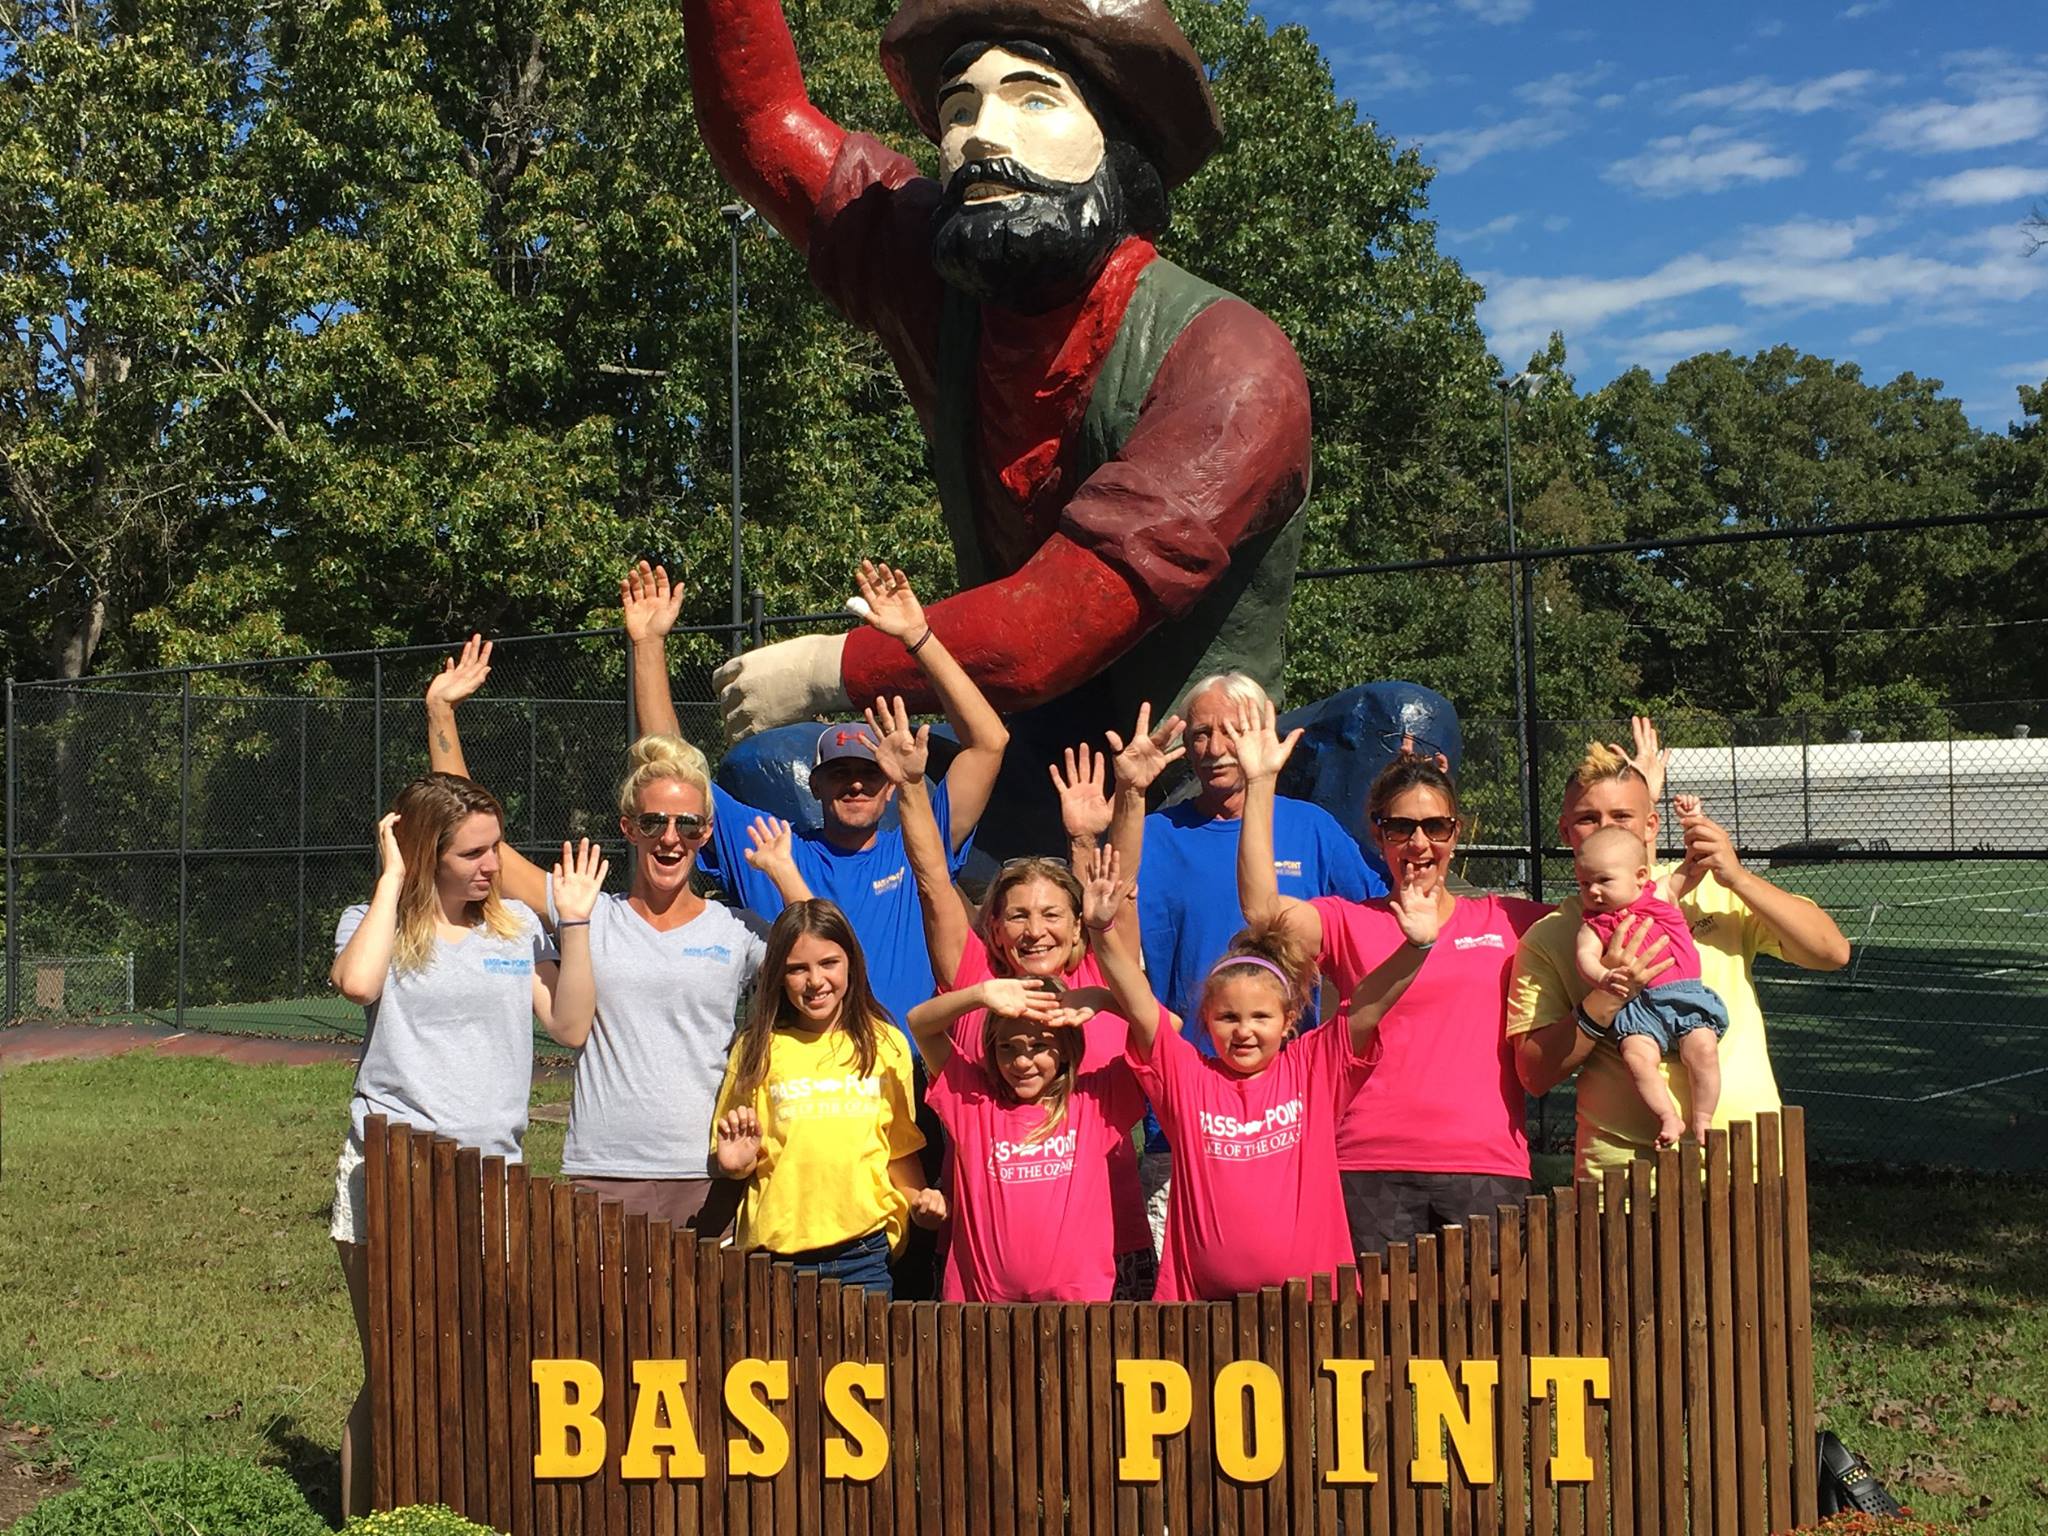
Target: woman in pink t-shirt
x,y
1028,925
1255,1199
1437,1134
1033,1136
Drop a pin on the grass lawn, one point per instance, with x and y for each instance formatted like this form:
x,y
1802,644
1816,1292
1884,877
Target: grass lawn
x,y
170,1288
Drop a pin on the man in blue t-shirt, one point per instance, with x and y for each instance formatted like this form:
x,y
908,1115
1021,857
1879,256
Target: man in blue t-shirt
x,y
854,861
1187,892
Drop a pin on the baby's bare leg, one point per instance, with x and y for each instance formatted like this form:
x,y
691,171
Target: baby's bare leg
x,y
1640,1054
1700,1050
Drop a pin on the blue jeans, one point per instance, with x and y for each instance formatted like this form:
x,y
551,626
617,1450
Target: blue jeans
x,y
863,1262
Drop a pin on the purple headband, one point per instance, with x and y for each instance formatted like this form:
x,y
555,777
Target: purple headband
x,y
1260,961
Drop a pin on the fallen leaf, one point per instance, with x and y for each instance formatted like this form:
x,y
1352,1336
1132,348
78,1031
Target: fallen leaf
x,y
2005,1407
112,1375
232,1411
1937,1478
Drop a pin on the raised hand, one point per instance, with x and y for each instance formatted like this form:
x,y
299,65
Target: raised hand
x,y
770,840
928,1208
1443,763
900,752
1651,757
1104,891
649,603
887,602
1415,909
739,1142
1140,761
1084,809
1260,750
1708,848
1019,997
579,876
460,676
391,863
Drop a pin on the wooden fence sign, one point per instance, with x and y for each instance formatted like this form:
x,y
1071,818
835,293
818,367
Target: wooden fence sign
x,y
1631,1356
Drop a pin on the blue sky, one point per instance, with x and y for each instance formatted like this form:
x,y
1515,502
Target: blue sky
x,y
1655,180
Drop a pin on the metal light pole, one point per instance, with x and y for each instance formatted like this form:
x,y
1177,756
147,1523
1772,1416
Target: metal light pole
x,y
736,214
1523,633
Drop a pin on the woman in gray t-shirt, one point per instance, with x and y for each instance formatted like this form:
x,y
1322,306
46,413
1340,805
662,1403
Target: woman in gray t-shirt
x,y
450,975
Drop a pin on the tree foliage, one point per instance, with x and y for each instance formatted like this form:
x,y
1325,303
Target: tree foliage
x,y
368,321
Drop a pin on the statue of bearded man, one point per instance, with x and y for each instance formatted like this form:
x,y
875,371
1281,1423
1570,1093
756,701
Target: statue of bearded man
x,y
1121,449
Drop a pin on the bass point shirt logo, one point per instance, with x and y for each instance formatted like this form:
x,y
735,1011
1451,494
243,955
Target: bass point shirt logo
x,y
1017,1162
888,882
508,965
826,1098
1229,1139
1480,941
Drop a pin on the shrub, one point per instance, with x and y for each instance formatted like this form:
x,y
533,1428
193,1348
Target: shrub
x,y
207,1495
416,1520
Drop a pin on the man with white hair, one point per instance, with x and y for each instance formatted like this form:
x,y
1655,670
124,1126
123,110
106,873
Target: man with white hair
x,y
1187,892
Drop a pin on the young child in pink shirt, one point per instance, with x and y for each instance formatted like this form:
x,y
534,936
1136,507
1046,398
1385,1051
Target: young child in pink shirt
x,y
1255,1198
1678,1011
1033,1127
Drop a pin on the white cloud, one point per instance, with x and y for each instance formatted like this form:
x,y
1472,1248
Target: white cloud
x,y
1491,229
1705,160
1386,14
1797,266
1760,94
1660,349
1864,8
1557,223
1497,12
1459,149
1943,127
1375,75
1769,28
1560,90
2027,373
1870,335
1987,184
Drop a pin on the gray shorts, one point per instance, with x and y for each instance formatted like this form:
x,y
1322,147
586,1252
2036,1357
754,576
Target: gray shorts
x,y
1385,1208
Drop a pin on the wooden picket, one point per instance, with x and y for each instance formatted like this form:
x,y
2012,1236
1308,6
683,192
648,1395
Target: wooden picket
x,y
1689,1273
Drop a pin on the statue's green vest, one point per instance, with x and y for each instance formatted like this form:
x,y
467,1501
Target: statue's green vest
x,y
1239,625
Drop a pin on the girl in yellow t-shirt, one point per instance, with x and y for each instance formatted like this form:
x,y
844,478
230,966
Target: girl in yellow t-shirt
x,y
816,1109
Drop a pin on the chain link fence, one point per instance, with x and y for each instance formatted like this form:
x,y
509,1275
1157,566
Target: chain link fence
x,y
181,843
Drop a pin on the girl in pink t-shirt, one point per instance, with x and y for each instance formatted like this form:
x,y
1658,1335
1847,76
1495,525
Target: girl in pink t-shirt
x,y
1255,1199
1033,1128
1437,1135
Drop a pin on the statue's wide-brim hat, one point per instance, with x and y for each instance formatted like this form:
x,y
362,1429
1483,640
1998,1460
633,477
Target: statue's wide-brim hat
x,y
1131,52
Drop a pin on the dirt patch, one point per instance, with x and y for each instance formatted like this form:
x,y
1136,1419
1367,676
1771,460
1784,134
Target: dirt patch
x,y
23,1484
25,1043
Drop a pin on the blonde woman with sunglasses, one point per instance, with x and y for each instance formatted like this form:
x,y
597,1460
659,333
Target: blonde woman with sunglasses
x,y
651,978
1437,1133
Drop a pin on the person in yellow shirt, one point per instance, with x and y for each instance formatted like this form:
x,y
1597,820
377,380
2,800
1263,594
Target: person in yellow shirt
x,y
817,1109
1559,1026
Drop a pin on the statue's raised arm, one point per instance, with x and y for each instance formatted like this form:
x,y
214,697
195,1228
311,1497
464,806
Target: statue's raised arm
x,y
1121,448
770,144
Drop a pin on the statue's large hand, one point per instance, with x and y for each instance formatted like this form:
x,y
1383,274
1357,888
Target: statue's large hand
x,y
789,680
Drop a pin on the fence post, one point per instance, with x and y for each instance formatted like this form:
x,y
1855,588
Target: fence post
x,y
1805,777
632,711
1532,778
299,973
758,618
533,770
13,916
1734,786
184,831
1949,725
377,732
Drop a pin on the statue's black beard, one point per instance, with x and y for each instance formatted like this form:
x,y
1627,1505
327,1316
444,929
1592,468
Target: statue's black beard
x,y
1034,251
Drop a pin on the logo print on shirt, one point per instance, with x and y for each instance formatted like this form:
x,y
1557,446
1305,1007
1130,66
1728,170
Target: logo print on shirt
x,y
505,965
1480,941
1015,1162
1232,1140
716,952
826,1098
888,882
1287,869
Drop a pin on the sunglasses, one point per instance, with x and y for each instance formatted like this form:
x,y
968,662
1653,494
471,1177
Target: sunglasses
x,y
1438,829
652,824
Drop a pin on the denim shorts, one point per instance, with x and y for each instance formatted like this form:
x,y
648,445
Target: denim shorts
x,y
864,1261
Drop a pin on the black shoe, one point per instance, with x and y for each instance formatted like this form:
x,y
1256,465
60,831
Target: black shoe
x,y
1847,1483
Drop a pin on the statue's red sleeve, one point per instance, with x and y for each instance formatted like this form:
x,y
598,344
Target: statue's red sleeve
x,y
1220,453
770,144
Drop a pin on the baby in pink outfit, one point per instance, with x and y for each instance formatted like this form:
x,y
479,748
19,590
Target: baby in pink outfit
x,y
1678,1011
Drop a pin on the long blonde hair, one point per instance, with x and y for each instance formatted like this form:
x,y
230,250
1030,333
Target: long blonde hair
x,y
859,1014
430,809
655,757
1072,1045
